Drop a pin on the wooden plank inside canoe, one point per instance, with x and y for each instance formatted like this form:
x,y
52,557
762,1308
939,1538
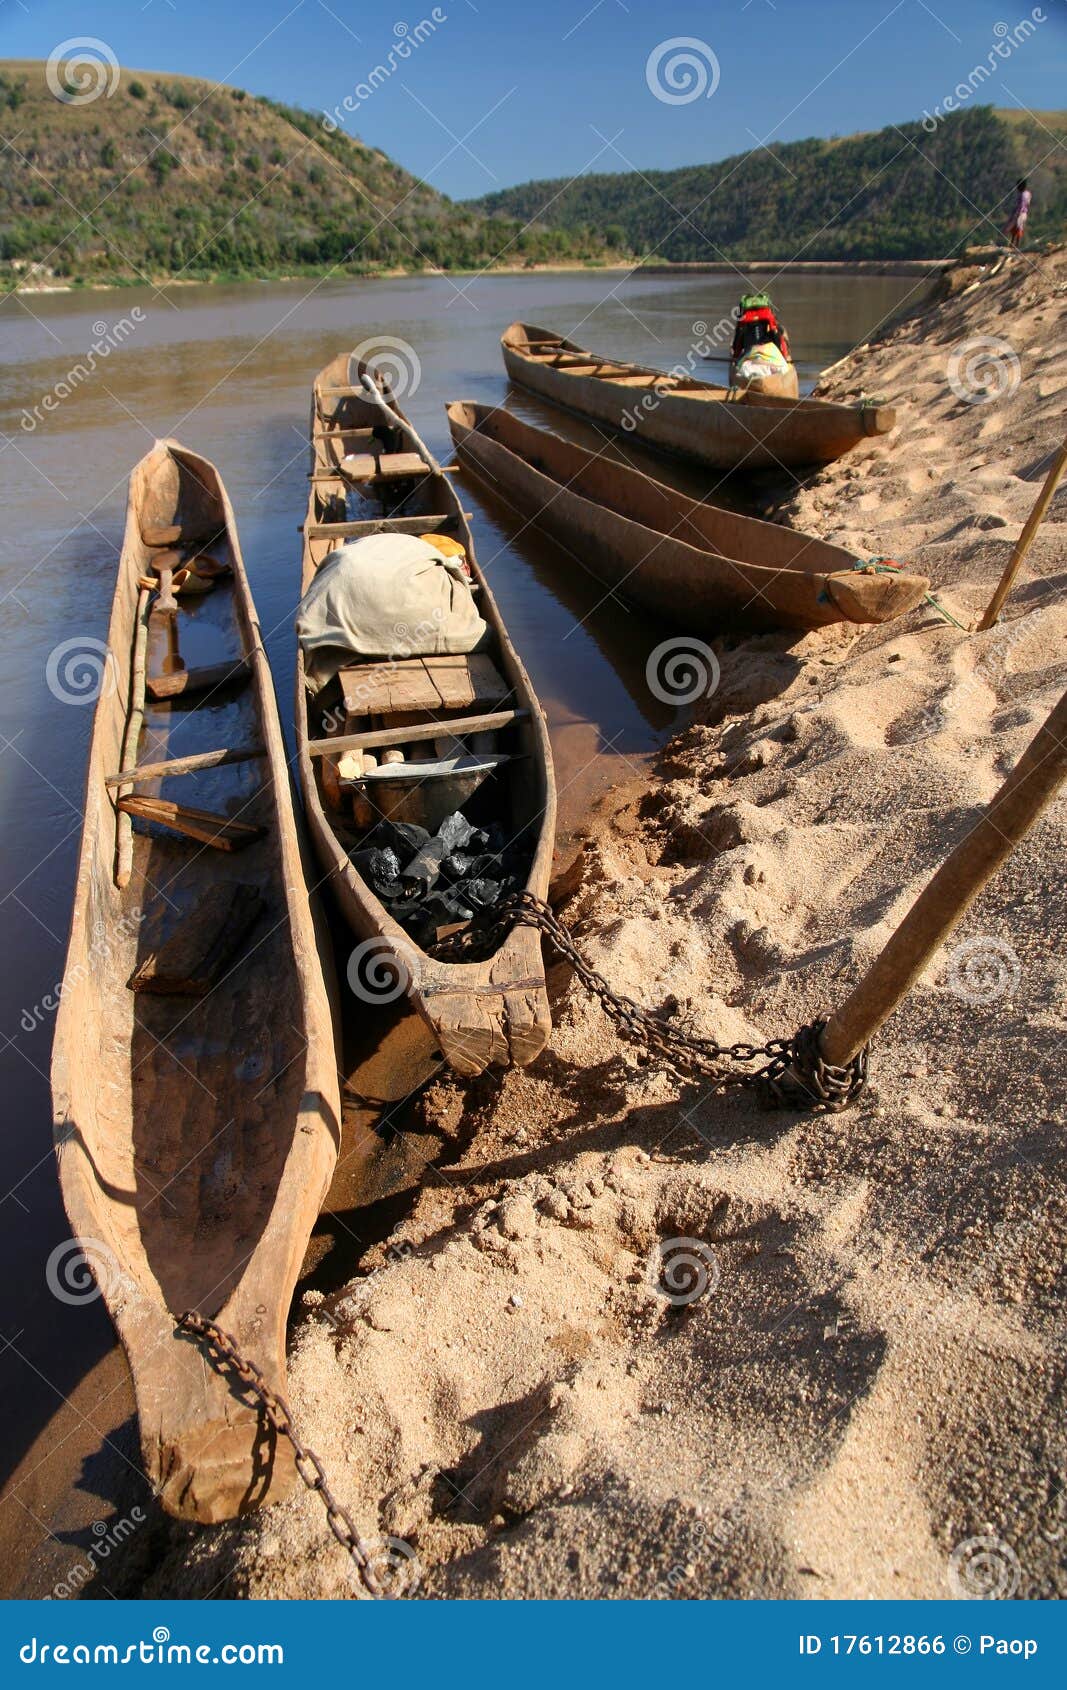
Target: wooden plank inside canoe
x,y
491,722
184,765
221,832
388,689
359,466
234,673
191,961
397,466
466,681
427,684
381,525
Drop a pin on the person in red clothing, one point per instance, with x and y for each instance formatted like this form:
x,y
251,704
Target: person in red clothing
x,y
1016,225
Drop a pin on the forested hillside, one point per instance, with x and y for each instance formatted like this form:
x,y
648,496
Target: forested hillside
x,y
901,192
172,176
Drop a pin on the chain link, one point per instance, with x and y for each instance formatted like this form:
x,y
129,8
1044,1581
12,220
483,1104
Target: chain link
x,y
793,1076
222,1348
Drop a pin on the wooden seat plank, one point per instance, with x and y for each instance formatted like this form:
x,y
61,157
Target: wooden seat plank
x,y
388,689
465,681
380,525
359,466
184,765
426,685
222,832
398,466
375,738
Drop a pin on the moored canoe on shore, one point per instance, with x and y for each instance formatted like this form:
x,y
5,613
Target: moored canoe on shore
x,y
721,428
687,561
194,1074
471,730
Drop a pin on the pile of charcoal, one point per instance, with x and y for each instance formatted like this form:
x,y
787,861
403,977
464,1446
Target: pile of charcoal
x,y
429,881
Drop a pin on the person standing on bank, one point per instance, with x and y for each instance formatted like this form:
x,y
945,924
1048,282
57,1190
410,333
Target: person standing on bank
x,y
1016,225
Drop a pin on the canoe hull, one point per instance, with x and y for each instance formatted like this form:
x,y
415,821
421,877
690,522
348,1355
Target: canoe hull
x,y
195,1139
711,426
628,530
480,1014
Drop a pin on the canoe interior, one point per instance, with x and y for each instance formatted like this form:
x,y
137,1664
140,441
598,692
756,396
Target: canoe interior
x,y
731,429
556,352
517,793
183,1122
679,557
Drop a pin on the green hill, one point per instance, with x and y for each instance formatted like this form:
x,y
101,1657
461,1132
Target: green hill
x,y
889,194
172,176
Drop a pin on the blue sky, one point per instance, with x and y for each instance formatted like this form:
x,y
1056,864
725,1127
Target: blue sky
x,y
498,91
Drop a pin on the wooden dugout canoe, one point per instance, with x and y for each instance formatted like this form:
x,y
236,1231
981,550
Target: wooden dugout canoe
x,y
685,560
723,428
494,1011
196,1121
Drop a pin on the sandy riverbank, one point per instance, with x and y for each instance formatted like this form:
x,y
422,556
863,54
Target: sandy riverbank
x,y
873,1379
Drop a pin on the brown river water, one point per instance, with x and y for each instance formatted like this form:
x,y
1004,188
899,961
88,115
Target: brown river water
x,y
227,371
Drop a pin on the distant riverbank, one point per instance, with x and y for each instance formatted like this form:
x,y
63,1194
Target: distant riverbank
x,y
827,267
326,272
740,267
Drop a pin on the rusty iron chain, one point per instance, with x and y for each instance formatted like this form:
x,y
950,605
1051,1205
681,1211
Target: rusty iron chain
x,y
222,1349
794,1075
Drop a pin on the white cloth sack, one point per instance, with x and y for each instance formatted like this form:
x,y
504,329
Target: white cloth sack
x,y
389,595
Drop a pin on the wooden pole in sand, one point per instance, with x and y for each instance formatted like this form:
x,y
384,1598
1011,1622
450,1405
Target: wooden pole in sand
x,y
1029,788
1023,543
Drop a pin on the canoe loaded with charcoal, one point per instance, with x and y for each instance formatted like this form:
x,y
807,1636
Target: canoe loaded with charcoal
x,y
423,751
